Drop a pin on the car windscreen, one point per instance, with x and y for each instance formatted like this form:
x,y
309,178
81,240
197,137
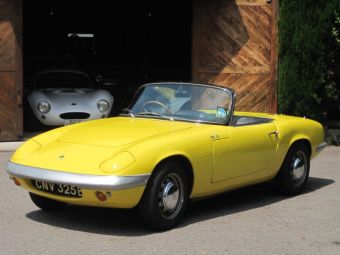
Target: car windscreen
x,y
62,80
187,102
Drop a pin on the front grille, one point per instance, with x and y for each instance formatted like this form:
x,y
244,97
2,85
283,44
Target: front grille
x,y
74,115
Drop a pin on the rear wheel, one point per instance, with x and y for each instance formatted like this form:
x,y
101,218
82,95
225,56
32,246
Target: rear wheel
x,y
293,175
46,204
166,197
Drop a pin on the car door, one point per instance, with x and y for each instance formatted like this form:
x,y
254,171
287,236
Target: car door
x,y
243,150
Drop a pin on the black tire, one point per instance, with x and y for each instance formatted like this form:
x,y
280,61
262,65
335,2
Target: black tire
x,y
294,172
165,198
46,204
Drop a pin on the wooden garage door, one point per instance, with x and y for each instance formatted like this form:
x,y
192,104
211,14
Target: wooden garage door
x,y
234,45
10,70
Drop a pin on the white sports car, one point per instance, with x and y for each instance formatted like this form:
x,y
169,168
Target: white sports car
x,y
62,97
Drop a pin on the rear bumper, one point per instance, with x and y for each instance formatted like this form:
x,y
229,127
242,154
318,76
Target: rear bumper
x,y
320,147
94,182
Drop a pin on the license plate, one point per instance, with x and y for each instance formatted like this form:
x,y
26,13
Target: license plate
x,y
73,121
58,189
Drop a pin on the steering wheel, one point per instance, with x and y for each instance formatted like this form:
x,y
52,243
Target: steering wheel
x,y
147,104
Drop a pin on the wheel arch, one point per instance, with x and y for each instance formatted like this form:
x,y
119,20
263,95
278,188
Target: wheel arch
x,y
184,162
302,140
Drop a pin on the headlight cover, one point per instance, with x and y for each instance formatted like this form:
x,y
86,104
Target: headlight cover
x,y
117,163
103,105
44,107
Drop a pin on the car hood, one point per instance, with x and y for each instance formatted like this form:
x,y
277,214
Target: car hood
x,y
81,148
120,131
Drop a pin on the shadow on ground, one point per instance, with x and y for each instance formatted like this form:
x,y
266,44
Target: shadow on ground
x,y
127,222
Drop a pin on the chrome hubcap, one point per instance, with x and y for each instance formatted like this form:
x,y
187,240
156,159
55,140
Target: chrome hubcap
x,y
171,196
299,168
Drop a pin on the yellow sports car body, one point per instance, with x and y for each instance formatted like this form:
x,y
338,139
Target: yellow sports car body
x,y
175,142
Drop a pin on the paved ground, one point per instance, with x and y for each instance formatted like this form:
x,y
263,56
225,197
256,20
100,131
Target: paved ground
x,y
255,220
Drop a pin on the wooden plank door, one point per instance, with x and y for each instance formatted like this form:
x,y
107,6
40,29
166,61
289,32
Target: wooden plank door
x,y
235,45
10,70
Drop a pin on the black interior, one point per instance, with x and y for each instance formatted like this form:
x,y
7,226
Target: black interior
x,y
134,42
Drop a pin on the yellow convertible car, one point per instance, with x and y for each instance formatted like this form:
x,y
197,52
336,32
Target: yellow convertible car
x,y
175,142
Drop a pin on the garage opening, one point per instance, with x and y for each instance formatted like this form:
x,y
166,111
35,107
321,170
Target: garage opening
x,y
120,45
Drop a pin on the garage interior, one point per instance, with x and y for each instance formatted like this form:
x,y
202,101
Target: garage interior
x,y
119,44
231,43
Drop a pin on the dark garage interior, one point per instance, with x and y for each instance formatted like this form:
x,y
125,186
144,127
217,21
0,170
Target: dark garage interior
x,y
122,45
119,44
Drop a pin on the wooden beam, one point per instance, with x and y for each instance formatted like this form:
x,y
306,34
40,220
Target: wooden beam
x,y
252,2
11,116
7,46
274,58
235,70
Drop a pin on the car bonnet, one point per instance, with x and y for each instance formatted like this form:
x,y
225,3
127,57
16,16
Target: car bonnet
x,y
121,131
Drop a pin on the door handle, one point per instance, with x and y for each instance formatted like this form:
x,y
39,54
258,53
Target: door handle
x,y
214,137
276,133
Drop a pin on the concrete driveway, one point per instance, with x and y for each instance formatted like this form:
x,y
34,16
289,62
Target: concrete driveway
x,y
255,220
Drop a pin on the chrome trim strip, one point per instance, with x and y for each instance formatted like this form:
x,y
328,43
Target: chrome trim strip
x,y
320,147
98,182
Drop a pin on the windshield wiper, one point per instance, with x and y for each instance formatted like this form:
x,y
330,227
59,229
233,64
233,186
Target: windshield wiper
x,y
155,114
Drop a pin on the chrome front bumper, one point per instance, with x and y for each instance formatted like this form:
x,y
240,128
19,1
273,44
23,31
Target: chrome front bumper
x,y
101,182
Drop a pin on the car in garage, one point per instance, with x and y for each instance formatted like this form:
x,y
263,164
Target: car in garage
x,y
175,142
65,96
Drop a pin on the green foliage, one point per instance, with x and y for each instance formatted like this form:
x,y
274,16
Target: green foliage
x,y
336,27
309,45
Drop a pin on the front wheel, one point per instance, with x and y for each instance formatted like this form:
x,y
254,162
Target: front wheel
x,y
293,175
165,198
46,204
